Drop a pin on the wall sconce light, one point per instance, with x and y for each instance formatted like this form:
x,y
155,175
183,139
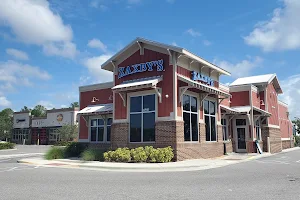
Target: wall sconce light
x,y
167,96
262,103
94,100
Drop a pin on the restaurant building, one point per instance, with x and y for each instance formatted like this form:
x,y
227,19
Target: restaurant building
x,y
41,130
164,95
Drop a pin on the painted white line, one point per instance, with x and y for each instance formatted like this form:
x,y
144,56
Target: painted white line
x,y
5,160
298,161
19,155
12,169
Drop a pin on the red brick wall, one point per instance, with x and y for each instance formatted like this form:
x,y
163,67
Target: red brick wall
x,y
164,108
285,124
85,100
262,97
272,105
255,99
240,98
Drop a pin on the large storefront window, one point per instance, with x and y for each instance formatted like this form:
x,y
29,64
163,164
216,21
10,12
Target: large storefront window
x,y
257,128
190,118
54,135
210,120
224,129
142,118
19,135
100,129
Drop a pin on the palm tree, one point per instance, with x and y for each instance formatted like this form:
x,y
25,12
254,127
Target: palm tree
x,y
74,105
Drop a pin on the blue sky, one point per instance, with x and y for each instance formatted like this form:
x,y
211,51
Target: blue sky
x,y
49,48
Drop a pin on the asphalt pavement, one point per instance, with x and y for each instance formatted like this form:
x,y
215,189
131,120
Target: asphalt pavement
x,y
275,177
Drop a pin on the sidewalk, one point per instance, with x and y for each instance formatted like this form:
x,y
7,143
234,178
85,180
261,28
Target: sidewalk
x,y
187,165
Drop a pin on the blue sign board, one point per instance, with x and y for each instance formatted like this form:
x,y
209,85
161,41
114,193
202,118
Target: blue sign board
x,y
142,67
199,77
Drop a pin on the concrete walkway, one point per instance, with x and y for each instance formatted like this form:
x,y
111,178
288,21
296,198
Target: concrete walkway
x,y
187,165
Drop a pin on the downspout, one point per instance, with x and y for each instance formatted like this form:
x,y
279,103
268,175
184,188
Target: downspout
x,y
251,114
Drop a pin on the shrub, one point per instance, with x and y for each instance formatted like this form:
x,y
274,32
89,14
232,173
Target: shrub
x,y
55,153
138,154
92,155
297,140
119,155
7,145
74,149
62,143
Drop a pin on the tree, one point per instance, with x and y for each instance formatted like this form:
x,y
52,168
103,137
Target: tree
x,y
68,132
296,123
6,123
74,105
25,109
39,111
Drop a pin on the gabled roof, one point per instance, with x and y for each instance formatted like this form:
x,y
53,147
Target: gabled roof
x,y
259,80
108,65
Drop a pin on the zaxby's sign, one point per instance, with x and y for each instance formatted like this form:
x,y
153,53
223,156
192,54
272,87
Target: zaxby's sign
x,y
141,67
199,77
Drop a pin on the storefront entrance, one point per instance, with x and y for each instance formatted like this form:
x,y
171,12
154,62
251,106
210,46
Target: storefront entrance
x,y
241,132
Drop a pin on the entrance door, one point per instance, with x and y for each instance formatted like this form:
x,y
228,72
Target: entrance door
x,y
241,131
241,136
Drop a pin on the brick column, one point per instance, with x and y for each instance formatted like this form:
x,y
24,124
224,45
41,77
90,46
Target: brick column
x,y
275,139
202,133
119,135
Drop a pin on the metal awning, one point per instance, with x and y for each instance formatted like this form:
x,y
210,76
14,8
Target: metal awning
x,y
97,109
138,84
229,110
201,86
247,109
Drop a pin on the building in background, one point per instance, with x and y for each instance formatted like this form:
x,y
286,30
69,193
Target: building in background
x,y
42,129
163,95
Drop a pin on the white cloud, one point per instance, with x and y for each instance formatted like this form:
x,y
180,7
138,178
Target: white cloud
x,y
4,102
174,44
291,94
193,33
281,32
96,43
21,55
94,66
242,68
206,42
33,22
96,4
17,73
66,49
47,104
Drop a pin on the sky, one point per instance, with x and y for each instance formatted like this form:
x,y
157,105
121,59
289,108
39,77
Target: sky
x,y
50,48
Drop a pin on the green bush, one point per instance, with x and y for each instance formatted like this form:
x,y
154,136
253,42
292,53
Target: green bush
x,y
119,155
55,153
92,155
297,141
7,145
138,154
62,143
74,149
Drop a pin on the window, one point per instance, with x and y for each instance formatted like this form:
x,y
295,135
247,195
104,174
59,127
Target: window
x,y
142,118
100,130
257,128
240,122
54,135
224,129
210,120
190,118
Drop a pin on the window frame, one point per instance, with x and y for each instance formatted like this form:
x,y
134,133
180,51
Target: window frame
x,y
226,128
155,111
258,128
209,115
188,93
105,119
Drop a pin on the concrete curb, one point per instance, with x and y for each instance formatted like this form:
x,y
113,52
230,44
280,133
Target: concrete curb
x,y
125,167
